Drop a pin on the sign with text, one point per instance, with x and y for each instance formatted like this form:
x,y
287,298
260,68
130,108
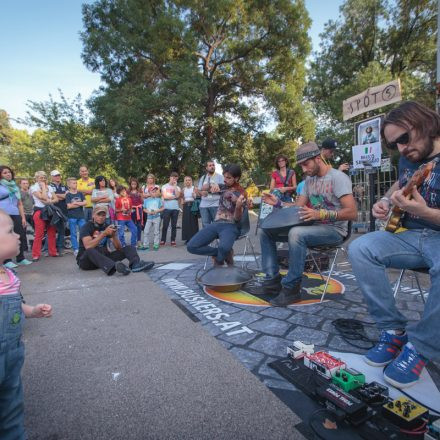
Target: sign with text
x,y
372,98
367,154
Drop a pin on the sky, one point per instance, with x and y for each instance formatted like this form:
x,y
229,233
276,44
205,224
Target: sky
x,y
41,50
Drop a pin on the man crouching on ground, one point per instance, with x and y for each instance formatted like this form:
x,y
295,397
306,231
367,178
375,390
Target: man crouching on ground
x,y
93,252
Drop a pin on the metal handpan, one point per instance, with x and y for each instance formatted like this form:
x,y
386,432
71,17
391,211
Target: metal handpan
x,y
224,278
284,218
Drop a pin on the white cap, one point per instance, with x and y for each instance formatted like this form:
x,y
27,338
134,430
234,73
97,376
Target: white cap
x,y
55,173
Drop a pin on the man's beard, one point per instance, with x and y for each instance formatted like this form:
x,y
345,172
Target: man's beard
x,y
426,151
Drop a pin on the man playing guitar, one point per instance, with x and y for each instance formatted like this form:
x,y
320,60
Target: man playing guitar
x,y
414,130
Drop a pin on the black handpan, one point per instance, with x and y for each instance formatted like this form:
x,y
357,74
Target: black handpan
x,y
224,278
284,218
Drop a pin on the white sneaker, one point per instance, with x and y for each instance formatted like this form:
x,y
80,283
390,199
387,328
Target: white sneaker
x,y
75,253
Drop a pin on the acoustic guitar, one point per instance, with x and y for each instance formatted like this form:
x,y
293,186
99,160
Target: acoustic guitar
x,y
424,172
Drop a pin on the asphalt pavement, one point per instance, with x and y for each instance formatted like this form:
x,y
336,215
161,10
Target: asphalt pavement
x,y
118,360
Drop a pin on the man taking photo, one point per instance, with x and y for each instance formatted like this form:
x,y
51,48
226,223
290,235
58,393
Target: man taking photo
x,y
93,251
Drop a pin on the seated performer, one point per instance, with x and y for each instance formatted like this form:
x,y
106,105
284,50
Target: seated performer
x,y
328,193
93,252
226,223
414,130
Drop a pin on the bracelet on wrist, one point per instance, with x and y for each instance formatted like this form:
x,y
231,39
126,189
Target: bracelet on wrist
x,y
278,204
387,199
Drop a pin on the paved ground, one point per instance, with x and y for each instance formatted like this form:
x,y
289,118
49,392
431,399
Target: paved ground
x,y
119,360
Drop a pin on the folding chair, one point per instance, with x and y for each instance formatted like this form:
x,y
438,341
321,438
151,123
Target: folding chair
x,y
414,273
327,249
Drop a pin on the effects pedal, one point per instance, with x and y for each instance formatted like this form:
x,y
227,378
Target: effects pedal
x,y
405,413
338,400
373,393
348,379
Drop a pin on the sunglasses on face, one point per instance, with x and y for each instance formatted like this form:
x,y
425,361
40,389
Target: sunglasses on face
x,y
403,139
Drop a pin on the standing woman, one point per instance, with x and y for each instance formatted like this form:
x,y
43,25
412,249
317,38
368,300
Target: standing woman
x,y
151,189
137,213
103,195
43,195
190,222
11,203
283,179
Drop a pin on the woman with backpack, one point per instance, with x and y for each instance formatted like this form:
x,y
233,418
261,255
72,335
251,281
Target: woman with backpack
x,y
283,179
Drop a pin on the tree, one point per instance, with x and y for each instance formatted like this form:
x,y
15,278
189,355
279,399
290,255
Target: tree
x,y
187,80
64,139
372,42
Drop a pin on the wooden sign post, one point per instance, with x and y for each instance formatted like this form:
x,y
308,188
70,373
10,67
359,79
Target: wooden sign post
x,y
371,99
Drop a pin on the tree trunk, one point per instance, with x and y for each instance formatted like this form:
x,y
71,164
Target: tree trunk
x,y
209,128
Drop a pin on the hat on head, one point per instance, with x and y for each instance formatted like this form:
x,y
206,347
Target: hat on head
x,y
55,173
100,208
331,144
307,151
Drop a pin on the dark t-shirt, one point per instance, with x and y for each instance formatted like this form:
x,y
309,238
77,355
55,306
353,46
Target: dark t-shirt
x,y
90,229
430,191
77,212
60,189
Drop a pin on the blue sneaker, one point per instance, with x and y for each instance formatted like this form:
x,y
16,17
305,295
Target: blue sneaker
x,y
386,349
24,262
405,370
10,265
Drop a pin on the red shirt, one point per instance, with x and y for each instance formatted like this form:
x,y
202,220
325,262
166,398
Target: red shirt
x,y
279,180
124,204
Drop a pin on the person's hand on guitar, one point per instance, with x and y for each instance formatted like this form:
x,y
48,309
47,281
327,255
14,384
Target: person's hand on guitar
x,y
416,205
270,199
381,209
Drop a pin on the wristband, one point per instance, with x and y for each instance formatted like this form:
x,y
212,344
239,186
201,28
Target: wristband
x,y
278,204
387,199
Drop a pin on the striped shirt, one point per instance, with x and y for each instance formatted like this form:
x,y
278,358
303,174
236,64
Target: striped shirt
x,y
11,287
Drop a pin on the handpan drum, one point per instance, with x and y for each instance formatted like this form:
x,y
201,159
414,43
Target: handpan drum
x,y
224,278
284,218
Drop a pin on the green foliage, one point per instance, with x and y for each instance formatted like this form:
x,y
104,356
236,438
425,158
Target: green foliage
x,y
188,80
372,42
63,140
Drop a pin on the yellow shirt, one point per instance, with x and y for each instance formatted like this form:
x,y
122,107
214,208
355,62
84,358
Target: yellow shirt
x,y
89,185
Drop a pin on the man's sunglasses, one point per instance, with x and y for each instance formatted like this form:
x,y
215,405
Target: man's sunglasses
x,y
403,139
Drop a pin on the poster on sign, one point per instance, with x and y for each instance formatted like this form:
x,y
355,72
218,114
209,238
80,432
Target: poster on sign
x,y
370,154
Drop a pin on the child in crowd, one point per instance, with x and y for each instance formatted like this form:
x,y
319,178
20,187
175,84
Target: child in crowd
x,y
171,194
153,206
75,213
123,216
11,346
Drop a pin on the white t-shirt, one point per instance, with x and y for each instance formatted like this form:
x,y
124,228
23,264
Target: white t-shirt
x,y
188,194
36,188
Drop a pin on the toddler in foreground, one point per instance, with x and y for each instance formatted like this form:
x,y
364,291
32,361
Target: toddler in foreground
x,y
12,310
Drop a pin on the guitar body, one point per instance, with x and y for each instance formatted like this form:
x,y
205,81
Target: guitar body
x,y
395,217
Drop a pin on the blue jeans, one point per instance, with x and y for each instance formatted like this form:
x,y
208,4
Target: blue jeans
x,y
208,215
88,214
372,253
133,231
299,239
11,362
61,226
227,233
74,224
